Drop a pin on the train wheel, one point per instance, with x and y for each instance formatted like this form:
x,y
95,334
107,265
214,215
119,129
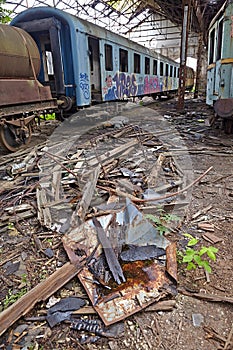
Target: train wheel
x,y
12,137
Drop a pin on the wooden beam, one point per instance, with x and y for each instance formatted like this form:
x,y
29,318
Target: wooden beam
x,y
41,292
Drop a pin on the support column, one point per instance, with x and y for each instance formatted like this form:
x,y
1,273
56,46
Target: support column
x,y
183,52
199,59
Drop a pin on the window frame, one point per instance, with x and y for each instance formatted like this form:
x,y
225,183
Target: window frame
x,y
108,55
161,68
155,67
219,42
147,65
123,55
212,46
171,70
137,63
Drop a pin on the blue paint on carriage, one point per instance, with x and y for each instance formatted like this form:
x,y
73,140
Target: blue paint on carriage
x,y
78,78
73,41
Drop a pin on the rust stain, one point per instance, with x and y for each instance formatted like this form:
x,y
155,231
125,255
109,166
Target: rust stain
x,y
144,279
147,281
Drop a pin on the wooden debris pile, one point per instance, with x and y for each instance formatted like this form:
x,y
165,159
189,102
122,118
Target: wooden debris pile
x,y
92,190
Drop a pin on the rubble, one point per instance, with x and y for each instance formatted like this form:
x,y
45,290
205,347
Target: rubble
x,y
93,194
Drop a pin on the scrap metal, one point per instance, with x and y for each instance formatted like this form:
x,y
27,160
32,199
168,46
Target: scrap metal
x,y
112,261
146,281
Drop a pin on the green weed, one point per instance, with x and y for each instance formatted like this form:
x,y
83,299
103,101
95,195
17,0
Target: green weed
x,y
197,258
162,221
11,297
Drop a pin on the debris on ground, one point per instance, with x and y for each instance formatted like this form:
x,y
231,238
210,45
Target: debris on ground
x,y
105,204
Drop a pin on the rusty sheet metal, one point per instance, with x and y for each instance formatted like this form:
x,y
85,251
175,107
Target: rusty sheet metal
x,y
19,91
143,287
147,281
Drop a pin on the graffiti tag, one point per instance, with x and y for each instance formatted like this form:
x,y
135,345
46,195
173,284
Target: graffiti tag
x,y
120,86
84,85
125,85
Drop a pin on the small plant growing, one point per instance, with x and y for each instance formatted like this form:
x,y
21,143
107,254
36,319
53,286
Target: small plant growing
x,y
10,226
195,258
162,221
11,297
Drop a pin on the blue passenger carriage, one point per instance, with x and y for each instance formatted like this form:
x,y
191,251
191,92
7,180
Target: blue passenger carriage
x,y
84,63
220,65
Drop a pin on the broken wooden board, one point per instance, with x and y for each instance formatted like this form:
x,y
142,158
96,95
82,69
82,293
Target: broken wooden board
x,y
152,179
102,159
41,292
88,192
207,297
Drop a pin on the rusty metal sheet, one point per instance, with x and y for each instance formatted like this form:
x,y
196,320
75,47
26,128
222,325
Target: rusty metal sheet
x,y
142,288
147,281
19,91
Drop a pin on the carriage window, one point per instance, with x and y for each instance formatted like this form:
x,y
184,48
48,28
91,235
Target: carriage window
x,y
147,65
137,68
161,68
155,67
123,60
108,57
49,60
171,71
175,72
166,70
178,72
212,46
219,48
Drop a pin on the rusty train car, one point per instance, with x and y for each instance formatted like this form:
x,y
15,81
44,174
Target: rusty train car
x,y
220,65
22,96
56,56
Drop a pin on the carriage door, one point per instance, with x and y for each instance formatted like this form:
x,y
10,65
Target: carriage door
x,y
47,61
46,33
94,56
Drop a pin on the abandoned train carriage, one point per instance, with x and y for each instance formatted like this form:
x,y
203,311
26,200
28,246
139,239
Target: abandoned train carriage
x,y
220,65
22,96
83,62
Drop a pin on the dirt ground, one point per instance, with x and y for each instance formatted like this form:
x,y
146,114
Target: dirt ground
x,y
201,317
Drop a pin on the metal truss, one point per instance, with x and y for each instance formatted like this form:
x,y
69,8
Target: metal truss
x,y
145,19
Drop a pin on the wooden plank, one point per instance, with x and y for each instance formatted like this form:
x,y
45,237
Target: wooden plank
x,y
111,154
41,292
17,217
168,187
153,176
44,215
88,192
207,297
56,182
